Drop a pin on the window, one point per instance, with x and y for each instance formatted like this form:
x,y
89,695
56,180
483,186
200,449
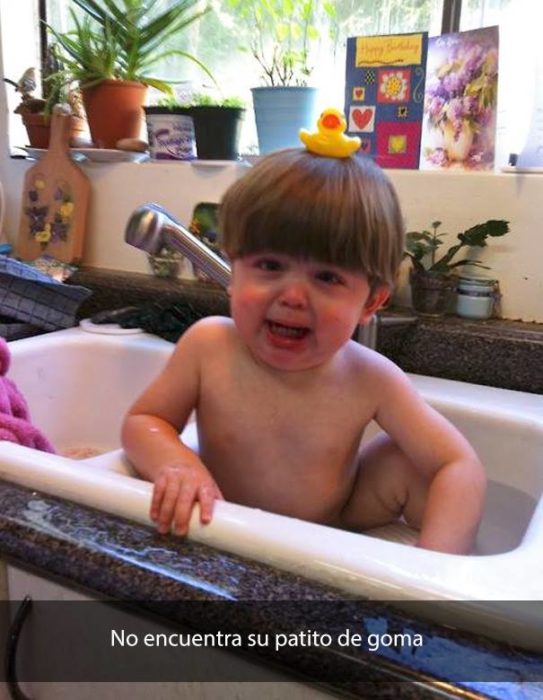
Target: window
x,y
20,49
520,64
221,38
217,40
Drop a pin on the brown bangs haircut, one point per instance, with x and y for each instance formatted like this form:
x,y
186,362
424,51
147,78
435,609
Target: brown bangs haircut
x,y
339,211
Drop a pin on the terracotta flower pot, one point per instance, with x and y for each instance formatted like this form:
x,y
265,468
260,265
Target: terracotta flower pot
x,y
431,293
114,111
38,128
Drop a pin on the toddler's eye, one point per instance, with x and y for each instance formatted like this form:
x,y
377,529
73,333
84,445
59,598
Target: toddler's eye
x,y
268,264
329,277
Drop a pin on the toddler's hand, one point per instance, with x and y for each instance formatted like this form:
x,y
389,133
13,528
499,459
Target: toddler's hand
x,y
176,490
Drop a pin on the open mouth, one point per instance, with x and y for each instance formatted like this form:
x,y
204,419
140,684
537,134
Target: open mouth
x,y
279,329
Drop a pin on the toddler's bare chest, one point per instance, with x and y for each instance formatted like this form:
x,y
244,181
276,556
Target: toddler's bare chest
x,y
257,414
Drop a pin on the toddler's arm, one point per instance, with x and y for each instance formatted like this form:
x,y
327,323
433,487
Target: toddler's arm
x,y
434,446
150,436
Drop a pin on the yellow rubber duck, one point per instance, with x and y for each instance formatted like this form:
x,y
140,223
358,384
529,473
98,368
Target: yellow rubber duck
x,y
330,139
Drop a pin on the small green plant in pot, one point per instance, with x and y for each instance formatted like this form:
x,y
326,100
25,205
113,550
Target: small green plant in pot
x,y
217,126
284,38
432,275
112,51
57,89
170,130
205,226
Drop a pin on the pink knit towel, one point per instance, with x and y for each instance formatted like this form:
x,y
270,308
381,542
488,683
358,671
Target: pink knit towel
x,y
15,425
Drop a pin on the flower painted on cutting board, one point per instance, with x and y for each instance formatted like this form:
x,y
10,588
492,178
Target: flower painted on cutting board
x,y
45,235
66,210
49,224
36,218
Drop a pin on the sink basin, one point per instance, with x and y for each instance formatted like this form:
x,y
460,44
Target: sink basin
x,y
79,385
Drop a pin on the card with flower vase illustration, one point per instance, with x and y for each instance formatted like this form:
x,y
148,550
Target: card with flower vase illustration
x,y
460,104
384,96
54,202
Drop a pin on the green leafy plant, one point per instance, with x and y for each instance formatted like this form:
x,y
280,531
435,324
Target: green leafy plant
x,y
281,35
88,54
170,101
58,86
202,100
422,246
124,39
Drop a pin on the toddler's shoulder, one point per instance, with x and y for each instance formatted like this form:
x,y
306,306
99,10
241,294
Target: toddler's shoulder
x,y
368,364
199,343
211,329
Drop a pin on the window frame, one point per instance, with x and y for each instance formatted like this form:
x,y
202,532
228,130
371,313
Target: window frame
x,y
42,13
450,18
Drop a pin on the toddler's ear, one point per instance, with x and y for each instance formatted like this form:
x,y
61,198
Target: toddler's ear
x,y
374,302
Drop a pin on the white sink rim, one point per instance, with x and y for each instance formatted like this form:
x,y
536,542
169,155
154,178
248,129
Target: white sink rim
x,y
355,563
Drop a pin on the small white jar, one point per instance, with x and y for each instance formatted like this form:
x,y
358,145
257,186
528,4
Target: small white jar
x,y
475,297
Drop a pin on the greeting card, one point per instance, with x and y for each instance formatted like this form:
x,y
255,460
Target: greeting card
x,y
460,100
384,96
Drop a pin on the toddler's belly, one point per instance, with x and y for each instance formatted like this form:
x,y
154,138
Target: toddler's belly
x,y
310,481
316,493
299,503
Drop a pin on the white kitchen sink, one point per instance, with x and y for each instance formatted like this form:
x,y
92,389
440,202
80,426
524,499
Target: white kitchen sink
x,y
79,385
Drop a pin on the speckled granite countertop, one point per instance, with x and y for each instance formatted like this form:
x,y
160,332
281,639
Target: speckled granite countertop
x,y
111,557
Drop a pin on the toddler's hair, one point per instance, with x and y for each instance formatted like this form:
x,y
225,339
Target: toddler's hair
x,y
340,211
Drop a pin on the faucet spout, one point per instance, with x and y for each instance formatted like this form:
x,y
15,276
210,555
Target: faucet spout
x,y
151,228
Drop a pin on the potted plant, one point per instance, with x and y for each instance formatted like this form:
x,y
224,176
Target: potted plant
x,y
111,51
170,130
431,277
282,36
217,126
204,224
36,111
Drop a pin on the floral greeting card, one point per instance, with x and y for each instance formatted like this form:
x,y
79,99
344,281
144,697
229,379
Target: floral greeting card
x,y
460,100
384,96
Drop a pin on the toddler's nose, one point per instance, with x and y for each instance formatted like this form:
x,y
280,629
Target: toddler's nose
x,y
294,295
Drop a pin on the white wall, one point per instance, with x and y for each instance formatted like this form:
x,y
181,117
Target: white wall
x,y
117,189
459,200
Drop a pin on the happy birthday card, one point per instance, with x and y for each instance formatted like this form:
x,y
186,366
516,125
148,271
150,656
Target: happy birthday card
x,y
384,96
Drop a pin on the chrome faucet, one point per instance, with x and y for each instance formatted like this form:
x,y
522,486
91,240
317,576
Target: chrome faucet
x,y
368,333
151,228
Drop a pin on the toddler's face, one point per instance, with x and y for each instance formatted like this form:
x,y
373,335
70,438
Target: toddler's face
x,y
295,314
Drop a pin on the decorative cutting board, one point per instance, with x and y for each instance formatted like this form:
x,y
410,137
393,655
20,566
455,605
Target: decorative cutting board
x,y
55,201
